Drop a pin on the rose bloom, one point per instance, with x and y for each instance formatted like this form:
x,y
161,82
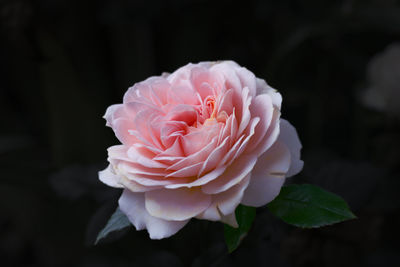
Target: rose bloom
x,y
196,143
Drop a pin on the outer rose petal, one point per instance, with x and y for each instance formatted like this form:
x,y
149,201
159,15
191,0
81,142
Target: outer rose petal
x,y
248,79
288,135
230,219
268,176
261,107
113,112
136,187
121,127
212,214
176,204
133,205
110,178
230,199
271,135
224,204
264,88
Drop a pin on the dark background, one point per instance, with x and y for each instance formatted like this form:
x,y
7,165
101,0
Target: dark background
x,y
62,62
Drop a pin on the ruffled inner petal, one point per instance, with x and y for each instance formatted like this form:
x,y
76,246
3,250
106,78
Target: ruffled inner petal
x,y
233,175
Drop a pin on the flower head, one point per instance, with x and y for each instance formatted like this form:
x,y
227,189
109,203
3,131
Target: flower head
x,y
195,144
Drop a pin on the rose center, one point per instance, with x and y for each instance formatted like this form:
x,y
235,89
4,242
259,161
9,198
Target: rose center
x,y
211,108
211,114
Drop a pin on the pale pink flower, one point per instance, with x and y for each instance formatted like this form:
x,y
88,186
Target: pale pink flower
x,y
196,143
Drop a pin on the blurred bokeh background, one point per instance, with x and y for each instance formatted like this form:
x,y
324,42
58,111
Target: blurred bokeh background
x,y
63,62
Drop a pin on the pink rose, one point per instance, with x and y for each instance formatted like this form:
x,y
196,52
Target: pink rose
x,y
195,144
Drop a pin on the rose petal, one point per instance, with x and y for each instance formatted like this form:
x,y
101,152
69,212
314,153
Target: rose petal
x,y
214,157
234,174
176,204
187,171
251,129
122,127
215,215
170,131
195,158
186,93
200,181
142,123
134,186
113,112
232,81
271,136
268,176
172,154
149,91
246,116
224,204
183,113
133,205
228,157
247,79
118,152
134,107
226,102
227,69
133,93
230,219
228,201
288,136
143,157
109,177
133,168
152,149
260,107
159,89
205,82
264,88
152,180
198,139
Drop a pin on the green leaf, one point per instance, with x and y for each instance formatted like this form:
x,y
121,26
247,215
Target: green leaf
x,y
244,217
309,206
118,221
